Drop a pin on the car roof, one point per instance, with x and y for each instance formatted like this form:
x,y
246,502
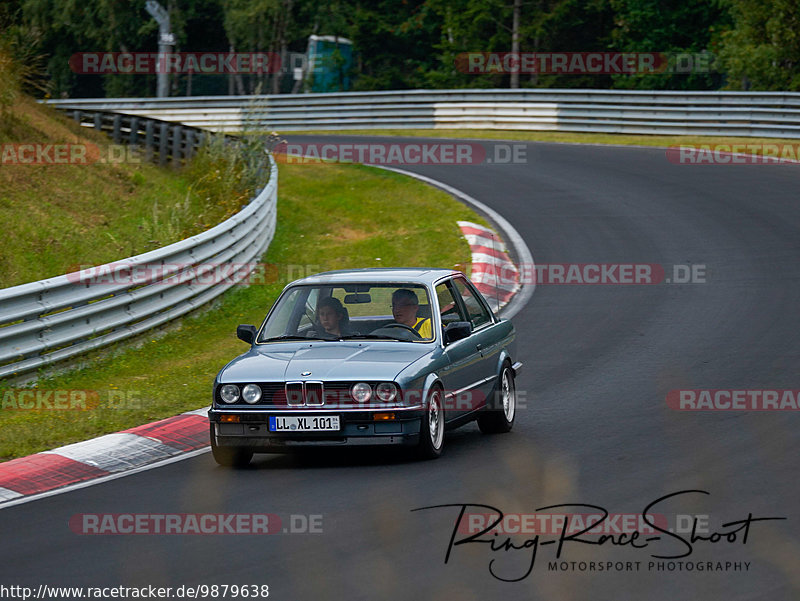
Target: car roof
x,y
378,275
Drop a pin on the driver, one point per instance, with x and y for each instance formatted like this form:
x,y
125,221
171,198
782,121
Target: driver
x,y
404,310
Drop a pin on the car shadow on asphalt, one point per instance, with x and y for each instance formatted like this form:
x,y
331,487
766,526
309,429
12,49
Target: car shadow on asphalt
x,y
456,442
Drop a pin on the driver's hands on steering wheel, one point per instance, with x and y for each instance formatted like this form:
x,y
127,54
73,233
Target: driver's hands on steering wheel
x,y
402,325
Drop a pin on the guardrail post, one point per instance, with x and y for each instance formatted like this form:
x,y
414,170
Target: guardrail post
x,y
98,121
117,133
163,137
177,138
77,116
189,152
148,140
134,135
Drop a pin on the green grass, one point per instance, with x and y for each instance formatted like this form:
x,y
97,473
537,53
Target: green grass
x,y
329,217
548,136
58,217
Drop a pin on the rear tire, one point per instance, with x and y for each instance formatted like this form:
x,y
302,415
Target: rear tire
x,y
431,433
229,456
500,418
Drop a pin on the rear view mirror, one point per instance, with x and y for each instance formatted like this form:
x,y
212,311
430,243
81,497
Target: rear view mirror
x,y
246,333
353,299
457,331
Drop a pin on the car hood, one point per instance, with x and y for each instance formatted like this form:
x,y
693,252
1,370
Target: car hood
x,y
326,361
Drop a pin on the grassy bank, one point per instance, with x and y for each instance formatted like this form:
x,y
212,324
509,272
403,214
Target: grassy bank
x,y
329,216
59,216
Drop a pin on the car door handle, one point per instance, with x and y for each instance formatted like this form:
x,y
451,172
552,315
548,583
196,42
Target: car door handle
x,y
479,346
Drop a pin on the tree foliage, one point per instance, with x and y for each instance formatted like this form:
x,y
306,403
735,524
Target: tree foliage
x,y
401,44
762,50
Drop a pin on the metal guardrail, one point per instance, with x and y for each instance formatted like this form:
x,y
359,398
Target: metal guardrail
x,y
162,140
53,319
762,114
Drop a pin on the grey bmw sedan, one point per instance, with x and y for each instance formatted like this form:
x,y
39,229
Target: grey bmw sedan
x,y
366,357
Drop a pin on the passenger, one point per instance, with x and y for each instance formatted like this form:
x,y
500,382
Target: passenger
x,y
404,310
332,319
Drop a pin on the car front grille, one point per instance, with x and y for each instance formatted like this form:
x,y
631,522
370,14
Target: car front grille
x,y
314,393
277,395
310,394
294,396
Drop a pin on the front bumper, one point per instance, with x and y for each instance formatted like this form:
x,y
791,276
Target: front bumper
x,y
358,428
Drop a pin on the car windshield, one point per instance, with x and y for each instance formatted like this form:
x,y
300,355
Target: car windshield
x,y
357,311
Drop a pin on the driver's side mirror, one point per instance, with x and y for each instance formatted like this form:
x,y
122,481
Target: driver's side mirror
x,y
457,330
246,333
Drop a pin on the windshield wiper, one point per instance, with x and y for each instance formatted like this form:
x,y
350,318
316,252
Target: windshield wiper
x,y
294,337
370,336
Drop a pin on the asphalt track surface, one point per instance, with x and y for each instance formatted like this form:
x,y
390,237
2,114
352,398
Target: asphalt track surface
x,y
593,427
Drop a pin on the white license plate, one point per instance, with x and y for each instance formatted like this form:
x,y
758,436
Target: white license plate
x,y
309,423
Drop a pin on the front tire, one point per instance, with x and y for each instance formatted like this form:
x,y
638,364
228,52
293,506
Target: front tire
x,y
500,418
431,434
229,456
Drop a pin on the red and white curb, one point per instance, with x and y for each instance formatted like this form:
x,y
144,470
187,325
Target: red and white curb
x,y
493,273
105,456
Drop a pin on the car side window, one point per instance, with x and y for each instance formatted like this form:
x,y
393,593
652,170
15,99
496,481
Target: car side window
x,y
449,309
478,315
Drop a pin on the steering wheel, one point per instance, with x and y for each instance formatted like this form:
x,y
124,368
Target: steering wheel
x,y
404,326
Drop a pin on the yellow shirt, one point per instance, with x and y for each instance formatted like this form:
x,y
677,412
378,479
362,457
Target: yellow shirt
x,y
424,330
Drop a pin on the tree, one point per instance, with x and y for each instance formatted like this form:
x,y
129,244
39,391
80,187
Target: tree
x,y
394,43
672,27
761,51
75,26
